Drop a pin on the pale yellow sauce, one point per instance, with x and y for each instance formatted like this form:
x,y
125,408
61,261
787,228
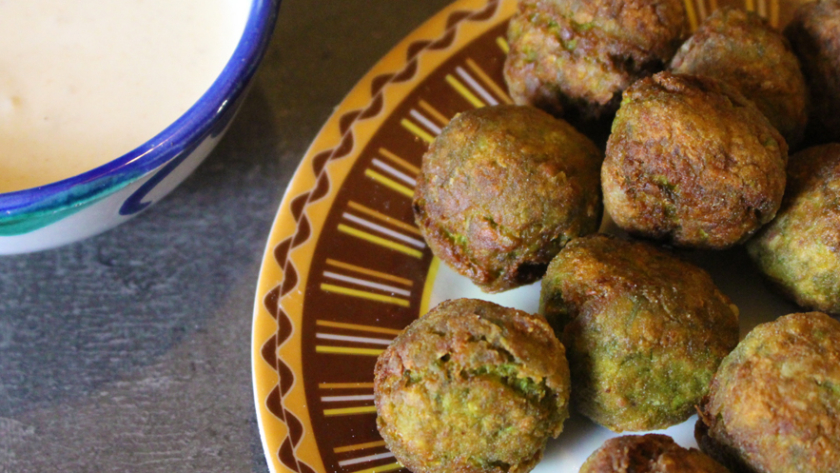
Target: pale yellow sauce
x,y
83,82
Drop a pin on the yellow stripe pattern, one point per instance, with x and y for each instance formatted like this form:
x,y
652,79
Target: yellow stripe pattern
x,y
348,350
359,446
348,411
379,241
380,469
398,160
488,81
345,385
370,272
430,284
692,16
464,91
503,44
441,118
361,328
416,130
384,218
364,295
389,183
701,6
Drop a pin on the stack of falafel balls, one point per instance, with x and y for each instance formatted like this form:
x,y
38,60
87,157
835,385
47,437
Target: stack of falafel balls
x,y
628,333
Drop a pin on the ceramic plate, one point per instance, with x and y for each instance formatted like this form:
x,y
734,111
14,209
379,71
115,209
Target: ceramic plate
x,y
345,268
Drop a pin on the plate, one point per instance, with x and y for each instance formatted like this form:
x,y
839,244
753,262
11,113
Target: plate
x,y
345,269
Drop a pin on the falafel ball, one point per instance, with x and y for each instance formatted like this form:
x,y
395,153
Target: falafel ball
x,y
582,54
644,331
743,50
501,191
799,251
651,453
692,162
814,35
472,387
774,404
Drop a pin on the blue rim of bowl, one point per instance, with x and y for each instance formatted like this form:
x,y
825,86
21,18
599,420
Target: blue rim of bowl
x,y
201,120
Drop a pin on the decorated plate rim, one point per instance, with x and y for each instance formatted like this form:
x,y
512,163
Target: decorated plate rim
x,y
450,21
336,148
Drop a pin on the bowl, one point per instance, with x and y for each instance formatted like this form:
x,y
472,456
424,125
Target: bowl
x,y
94,201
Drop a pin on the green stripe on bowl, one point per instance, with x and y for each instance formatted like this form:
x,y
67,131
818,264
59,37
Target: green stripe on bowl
x,y
26,223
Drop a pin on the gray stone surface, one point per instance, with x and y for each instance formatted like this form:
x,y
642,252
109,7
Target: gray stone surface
x,y
131,351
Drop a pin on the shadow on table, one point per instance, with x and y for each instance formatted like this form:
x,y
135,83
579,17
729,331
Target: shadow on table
x,y
79,316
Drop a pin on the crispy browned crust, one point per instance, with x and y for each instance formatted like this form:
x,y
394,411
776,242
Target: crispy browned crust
x,y
774,402
472,387
719,452
692,162
501,191
651,453
644,331
799,251
814,34
582,54
744,50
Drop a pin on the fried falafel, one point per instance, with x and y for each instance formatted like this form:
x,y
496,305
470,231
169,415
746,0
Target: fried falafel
x,y
644,331
501,191
580,55
743,50
799,251
472,387
692,162
814,35
651,453
774,404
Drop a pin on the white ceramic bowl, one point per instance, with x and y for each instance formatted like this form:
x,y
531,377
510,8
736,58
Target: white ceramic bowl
x,y
92,202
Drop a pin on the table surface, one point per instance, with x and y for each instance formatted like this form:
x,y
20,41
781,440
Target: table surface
x,y
130,351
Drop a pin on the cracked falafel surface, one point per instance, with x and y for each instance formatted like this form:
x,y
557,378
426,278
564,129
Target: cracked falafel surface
x,y
472,387
644,331
651,453
742,49
814,34
799,251
576,54
693,163
774,404
502,189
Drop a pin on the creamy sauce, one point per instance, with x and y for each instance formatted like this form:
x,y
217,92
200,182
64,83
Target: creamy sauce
x,y
83,82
